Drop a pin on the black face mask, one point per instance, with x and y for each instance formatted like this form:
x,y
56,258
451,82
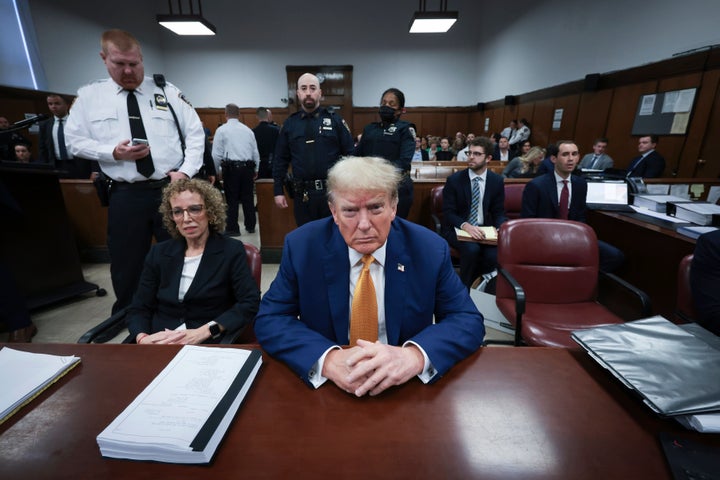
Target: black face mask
x,y
387,114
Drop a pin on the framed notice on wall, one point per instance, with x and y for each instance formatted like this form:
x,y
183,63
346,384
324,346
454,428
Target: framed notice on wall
x,y
666,113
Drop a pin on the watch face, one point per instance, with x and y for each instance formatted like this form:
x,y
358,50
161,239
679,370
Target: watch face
x,y
214,330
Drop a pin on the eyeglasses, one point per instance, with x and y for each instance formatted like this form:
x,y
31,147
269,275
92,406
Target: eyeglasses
x,y
476,154
192,210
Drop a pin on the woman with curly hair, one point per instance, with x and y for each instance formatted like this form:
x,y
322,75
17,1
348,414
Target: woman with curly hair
x,y
197,285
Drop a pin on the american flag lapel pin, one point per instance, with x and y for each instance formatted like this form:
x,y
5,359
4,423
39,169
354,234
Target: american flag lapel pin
x,y
401,267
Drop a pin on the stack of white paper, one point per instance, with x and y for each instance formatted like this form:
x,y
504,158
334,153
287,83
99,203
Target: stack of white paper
x,y
184,413
24,375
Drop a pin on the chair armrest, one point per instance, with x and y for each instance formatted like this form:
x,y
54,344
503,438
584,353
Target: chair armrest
x,y
436,221
519,303
106,330
645,305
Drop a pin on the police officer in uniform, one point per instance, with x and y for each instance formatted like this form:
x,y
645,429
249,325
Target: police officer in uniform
x,y
394,140
266,135
311,140
125,122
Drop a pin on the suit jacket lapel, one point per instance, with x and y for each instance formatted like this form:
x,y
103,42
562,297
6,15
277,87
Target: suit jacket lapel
x,y
336,268
174,260
398,266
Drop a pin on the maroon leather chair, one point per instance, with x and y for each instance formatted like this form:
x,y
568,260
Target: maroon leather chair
x,y
548,281
684,306
513,199
436,211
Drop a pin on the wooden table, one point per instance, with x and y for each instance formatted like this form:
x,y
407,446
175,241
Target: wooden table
x,y
502,413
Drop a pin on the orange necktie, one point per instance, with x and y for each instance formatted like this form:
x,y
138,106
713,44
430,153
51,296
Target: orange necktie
x,y
364,313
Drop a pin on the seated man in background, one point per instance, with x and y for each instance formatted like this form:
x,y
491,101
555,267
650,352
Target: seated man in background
x,y
472,198
598,160
502,150
649,164
373,282
705,280
559,194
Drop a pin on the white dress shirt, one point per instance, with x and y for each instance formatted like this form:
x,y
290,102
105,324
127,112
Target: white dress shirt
x,y
559,185
56,125
98,122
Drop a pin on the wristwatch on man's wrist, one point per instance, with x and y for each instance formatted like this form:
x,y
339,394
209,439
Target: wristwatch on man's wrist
x,y
214,329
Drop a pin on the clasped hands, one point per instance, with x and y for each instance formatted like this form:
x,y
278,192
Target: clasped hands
x,y
372,367
190,336
475,232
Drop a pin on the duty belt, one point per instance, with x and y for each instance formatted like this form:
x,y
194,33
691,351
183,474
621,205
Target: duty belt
x,y
309,185
237,163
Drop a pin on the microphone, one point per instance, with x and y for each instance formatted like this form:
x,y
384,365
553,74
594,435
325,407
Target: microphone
x,y
29,121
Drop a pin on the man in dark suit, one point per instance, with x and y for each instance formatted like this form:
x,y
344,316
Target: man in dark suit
x,y
53,147
305,316
705,280
266,135
475,258
649,164
559,194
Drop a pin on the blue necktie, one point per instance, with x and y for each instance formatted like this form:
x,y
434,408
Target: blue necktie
x,y
475,203
61,141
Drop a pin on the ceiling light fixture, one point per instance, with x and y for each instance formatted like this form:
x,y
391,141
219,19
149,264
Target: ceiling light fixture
x,y
186,24
433,22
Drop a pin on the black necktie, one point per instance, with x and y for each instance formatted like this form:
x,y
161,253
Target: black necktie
x,y
61,141
137,130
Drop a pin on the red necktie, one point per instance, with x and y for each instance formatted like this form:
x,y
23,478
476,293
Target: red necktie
x,y
564,201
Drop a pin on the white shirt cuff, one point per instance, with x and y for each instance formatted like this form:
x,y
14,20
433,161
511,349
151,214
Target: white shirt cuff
x,y
428,370
315,374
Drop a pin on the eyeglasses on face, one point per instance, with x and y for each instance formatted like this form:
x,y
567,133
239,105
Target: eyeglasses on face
x,y
476,154
192,210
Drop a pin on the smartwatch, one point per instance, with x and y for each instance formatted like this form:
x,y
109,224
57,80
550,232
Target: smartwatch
x,y
214,329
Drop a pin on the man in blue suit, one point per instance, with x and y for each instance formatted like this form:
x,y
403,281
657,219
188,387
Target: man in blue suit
x,y
305,316
475,258
543,198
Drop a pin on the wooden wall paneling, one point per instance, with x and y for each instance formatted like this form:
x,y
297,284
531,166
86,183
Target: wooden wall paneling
x,y
360,119
497,123
433,124
541,122
570,105
622,146
592,118
416,118
510,112
476,123
526,111
456,122
710,151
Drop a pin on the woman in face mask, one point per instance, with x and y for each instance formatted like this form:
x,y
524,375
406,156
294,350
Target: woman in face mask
x,y
394,140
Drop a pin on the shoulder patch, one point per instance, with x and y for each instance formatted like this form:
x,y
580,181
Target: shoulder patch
x,y
412,131
182,97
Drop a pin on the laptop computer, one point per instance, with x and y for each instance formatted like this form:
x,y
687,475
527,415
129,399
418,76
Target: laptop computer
x,y
611,196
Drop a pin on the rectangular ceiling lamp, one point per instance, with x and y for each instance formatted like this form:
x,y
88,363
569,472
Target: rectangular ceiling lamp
x,y
432,22
187,24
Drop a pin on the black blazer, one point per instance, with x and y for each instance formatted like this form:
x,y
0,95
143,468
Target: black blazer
x,y
457,196
47,146
223,288
652,166
540,198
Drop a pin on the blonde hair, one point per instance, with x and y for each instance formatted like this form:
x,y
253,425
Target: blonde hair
x,y
214,204
363,174
122,40
527,165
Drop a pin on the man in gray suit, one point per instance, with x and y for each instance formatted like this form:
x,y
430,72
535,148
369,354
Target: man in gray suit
x,y
598,160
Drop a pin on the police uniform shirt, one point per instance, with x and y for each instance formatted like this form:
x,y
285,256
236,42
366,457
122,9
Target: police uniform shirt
x,y
99,121
332,139
234,141
394,142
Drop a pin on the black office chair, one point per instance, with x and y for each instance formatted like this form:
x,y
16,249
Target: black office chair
x,y
110,328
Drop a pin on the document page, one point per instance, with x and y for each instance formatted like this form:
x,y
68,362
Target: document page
x,y
24,375
175,406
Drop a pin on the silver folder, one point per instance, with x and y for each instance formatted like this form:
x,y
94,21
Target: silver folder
x,y
675,371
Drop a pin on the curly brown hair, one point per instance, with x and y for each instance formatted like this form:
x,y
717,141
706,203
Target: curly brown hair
x,y
214,204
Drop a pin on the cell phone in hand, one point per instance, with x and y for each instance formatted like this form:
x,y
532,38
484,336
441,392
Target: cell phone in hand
x,y
139,141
